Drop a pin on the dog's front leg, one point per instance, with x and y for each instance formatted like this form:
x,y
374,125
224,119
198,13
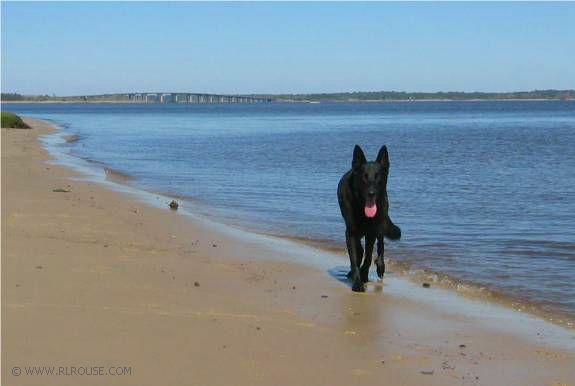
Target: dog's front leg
x,y
379,261
369,243
355,252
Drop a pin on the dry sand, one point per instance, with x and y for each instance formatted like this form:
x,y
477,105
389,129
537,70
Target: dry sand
x,y
94,277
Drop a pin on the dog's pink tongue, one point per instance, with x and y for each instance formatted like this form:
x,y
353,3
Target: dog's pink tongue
x,y
370,211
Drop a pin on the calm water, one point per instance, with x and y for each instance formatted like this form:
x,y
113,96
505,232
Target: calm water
x,y
483,192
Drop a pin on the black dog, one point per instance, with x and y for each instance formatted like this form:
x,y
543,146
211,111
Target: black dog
x,y
362,196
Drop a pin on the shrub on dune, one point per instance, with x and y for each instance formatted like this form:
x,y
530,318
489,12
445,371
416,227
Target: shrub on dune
x,y
12,121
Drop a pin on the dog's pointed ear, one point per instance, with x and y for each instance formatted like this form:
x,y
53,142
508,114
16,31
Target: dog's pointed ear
x,y
383,156
358,158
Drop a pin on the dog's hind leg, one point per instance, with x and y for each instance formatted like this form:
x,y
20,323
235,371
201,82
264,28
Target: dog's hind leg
x,y
355,252
379,261
369,243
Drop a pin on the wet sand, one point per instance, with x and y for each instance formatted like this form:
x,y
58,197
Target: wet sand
x,y
94,277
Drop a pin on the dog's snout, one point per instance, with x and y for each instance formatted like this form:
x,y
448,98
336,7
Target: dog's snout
x,y
371,193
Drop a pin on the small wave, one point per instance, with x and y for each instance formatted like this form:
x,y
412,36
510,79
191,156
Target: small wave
x,y
117,176
71,138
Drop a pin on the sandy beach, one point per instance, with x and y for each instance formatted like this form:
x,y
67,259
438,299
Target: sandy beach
x,y
93,277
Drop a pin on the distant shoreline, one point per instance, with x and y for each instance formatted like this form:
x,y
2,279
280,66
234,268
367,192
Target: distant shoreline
x,y
306,101
430,100
322,97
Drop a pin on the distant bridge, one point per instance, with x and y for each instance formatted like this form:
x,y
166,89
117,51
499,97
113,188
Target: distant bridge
x,y
170,97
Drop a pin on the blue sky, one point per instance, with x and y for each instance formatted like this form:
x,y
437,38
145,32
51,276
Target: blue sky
x,y
88,48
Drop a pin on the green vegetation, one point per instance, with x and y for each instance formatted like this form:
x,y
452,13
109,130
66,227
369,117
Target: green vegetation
x,y
11,97
14,97
421,96
11,120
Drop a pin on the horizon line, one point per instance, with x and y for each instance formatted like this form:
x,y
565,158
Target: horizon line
x,y
293,93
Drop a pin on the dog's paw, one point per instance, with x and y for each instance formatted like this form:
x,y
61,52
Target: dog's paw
x,y
380,268
358,287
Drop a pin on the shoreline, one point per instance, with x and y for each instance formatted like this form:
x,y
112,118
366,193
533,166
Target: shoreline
x,y
304,101
107,257
417,275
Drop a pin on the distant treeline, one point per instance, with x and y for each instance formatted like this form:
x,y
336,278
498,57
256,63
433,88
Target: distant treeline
x,y
401,95
11,97
338,97
14,97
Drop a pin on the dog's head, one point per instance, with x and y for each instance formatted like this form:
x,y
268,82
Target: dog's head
x,y
370,179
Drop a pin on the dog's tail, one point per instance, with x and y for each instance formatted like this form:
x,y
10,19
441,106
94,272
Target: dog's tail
x,y
392,231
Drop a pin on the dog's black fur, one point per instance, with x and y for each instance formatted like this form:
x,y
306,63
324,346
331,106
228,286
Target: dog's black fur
x,y
366,182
